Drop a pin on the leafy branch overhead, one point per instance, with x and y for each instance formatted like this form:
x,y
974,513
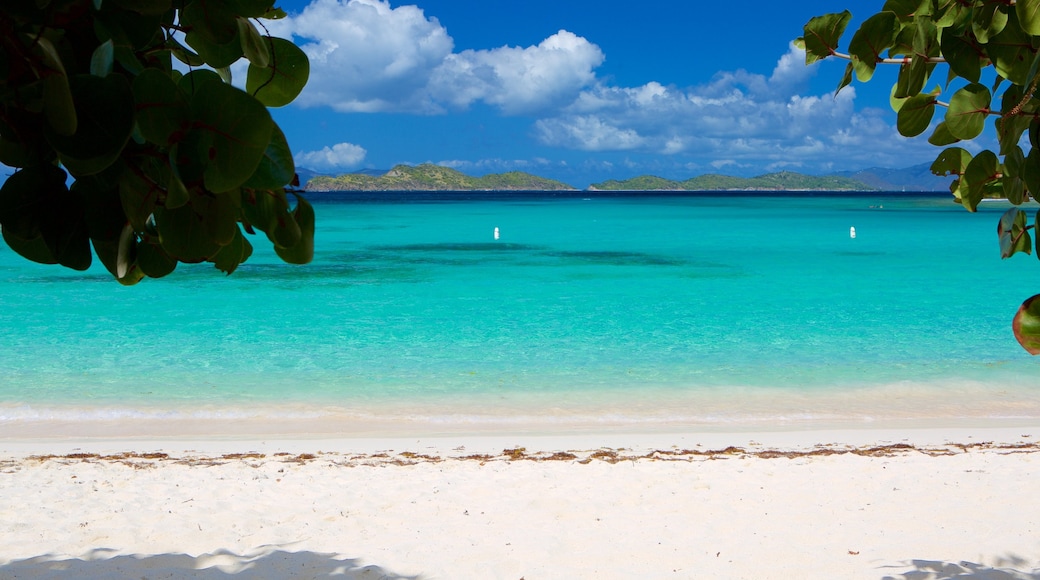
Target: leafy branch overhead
x,y
166,167
986,55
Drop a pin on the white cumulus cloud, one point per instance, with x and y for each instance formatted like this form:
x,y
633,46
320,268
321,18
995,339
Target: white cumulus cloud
x,y
736,117
519,79
366,56
339,156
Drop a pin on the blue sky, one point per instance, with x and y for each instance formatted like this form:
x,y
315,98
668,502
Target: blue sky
x,y
582,90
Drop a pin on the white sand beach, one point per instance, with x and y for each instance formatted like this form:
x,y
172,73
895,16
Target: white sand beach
x,y
927,503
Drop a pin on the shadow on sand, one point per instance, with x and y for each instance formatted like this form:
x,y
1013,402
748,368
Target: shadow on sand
x,y
217,566
1007,569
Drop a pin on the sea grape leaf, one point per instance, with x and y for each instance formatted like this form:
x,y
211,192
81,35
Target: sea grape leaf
x,y
232,132
277,167
254,47
942,137
903,9
277,84
303,251
101,60
822,34
1013,235
251,8
58,104
1011,52
34,249
962,55
105,113
966,115
229,257
22,199
268,210
153,261
874,36
1013,183
988,20
1026,325
37,208
915,114
162,108
1028,12
139,191
183,234
1030,173
980,172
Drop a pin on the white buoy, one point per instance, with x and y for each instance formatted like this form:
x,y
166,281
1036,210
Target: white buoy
x,y
852,232
496,233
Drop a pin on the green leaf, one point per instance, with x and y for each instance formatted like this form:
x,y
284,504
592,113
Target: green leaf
x,y
24,199
101,60
904,9
988,20
105,110
915,114
1028,12
140,188
212,31
35,206
846,78
268,210
234,254
303,251
1012,52
233,131
963,56
162,108
276,169
183,53
219,214
913,77
942,137
1026,325
822,34
968,110
254,47
282,80
33,249
874,36
1014,169
1029,172
58,104
952,161
153,261
980,172
1013,234
183,234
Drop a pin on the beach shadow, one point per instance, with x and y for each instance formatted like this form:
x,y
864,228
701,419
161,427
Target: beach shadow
x,y
220,565
1007,569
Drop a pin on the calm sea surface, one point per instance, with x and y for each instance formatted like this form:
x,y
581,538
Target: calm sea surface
x,y
639,310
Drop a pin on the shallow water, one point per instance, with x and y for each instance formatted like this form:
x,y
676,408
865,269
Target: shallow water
x,y
623,310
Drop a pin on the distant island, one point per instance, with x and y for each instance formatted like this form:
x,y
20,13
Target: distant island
x,y
430,177
781,181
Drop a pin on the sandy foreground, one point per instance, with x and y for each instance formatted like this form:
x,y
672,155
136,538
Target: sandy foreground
x,y
913,504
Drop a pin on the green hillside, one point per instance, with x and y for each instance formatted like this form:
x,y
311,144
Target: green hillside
x,y
429,177
782,181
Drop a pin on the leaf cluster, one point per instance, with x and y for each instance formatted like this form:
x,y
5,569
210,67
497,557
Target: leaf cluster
x,y
989,49
165,167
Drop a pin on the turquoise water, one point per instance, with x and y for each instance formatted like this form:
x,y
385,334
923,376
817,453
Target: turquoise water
x,y
640,308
